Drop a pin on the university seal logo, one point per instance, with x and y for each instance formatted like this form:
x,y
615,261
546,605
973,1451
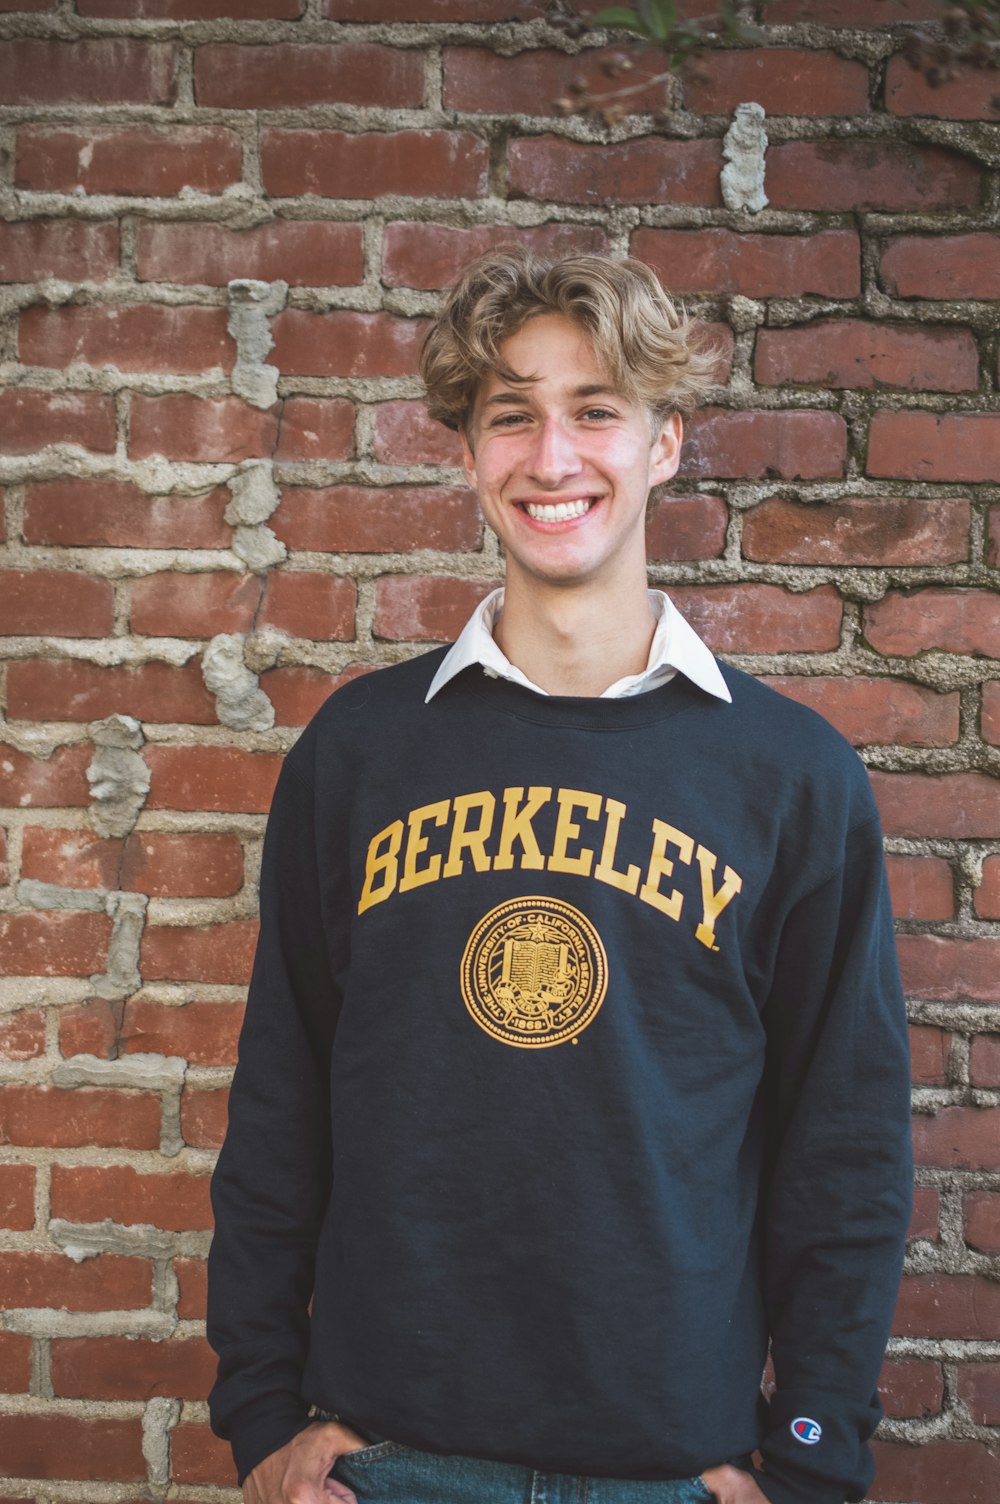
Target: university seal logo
x,y
534,972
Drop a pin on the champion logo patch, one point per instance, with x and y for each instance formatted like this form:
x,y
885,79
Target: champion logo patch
x,y
807,1431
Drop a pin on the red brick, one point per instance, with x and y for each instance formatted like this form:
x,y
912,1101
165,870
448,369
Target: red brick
x,y
116,514
74,249
22,1034
297,693
922,887
383,519
939,1472
954,621
858,530
925,1222
52,1281
195,605
25,5
993,537
145,337
958,1138
285,75
131,159
935,446
34,602
405,435
40,1116
204,953
36,783
532,82
979,1389
177,1201
946,1305
929,1050
39,689
346,343
4,869
648,170
211,778
89,1028
53,943
204,1115
201,1033
122,1368
761,618
794,445
760,266
419,164
65,1446
117,70
199,1457
911,1387
964,806
967,96
963,970
431,10
783,80
982,1221
15,1363
859,13
160,863
17,1197
869,176
853,353
192,1280
425,607
314,253
32,419
193,10
686,527
984,1062
211,429
317,606
315,428
988,891
431,255
942,266
877,712
991,712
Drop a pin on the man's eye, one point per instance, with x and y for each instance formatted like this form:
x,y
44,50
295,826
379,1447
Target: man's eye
x,y
508,420
598,414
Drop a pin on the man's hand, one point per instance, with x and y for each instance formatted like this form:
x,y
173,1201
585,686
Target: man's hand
x,y
297,1473
731,1485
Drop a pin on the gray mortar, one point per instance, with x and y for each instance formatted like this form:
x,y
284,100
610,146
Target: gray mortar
x,y
118,776
122,976
254,498
142,1072
158,1421
251,304
239,700
743,147
38,895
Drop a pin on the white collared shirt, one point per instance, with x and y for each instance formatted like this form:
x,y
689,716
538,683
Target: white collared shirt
x,y
675,648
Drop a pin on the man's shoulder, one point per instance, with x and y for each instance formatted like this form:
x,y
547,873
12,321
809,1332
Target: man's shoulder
x,y
772,724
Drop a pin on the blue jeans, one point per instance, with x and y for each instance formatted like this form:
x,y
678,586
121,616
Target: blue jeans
x,y
386,1473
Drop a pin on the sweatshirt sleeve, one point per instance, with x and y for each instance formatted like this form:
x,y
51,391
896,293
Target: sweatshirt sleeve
x,y
272,1183
839,1188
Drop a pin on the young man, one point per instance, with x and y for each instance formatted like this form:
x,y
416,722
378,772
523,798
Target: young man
x,y
574,1071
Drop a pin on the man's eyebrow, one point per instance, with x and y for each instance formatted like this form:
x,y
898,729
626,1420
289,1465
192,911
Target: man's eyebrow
x,y
511,396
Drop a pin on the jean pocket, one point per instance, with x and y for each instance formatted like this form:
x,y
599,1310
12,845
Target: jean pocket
x,y
374,1452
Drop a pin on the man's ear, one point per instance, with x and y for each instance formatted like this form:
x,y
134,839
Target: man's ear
x,y
666,452
468,459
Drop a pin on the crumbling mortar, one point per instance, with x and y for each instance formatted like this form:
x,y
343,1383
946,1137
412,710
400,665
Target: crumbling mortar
x,y
40,1382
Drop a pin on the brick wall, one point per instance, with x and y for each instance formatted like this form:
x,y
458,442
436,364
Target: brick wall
x,y
220,501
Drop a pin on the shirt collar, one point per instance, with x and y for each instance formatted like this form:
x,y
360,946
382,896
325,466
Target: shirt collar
x,y
676,648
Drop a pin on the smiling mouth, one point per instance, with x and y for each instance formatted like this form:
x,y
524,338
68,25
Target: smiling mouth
x,y
559,511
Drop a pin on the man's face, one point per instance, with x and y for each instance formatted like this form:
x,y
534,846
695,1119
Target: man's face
x,y
562,463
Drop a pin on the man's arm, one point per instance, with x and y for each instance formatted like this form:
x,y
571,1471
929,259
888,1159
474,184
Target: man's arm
x,y
272,1183
839,1193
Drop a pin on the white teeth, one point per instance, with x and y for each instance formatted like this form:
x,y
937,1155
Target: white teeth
x,y
558,511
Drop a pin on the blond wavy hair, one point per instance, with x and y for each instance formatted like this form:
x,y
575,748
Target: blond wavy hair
x,y
650,351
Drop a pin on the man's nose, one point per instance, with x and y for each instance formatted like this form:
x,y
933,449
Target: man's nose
x,y
554,453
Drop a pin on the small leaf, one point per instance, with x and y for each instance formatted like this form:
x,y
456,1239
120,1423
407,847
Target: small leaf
x,y
621,19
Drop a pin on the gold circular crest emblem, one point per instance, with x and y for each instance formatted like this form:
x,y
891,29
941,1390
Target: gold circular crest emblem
x,y
534,972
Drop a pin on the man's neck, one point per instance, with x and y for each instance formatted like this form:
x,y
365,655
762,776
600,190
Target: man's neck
x,y
575,641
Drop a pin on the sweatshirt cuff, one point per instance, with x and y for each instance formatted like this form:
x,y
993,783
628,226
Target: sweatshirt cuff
x,y
258,1431
815,1452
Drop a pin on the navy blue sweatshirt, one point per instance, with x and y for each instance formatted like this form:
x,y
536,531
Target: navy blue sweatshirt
x,y
574,1072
